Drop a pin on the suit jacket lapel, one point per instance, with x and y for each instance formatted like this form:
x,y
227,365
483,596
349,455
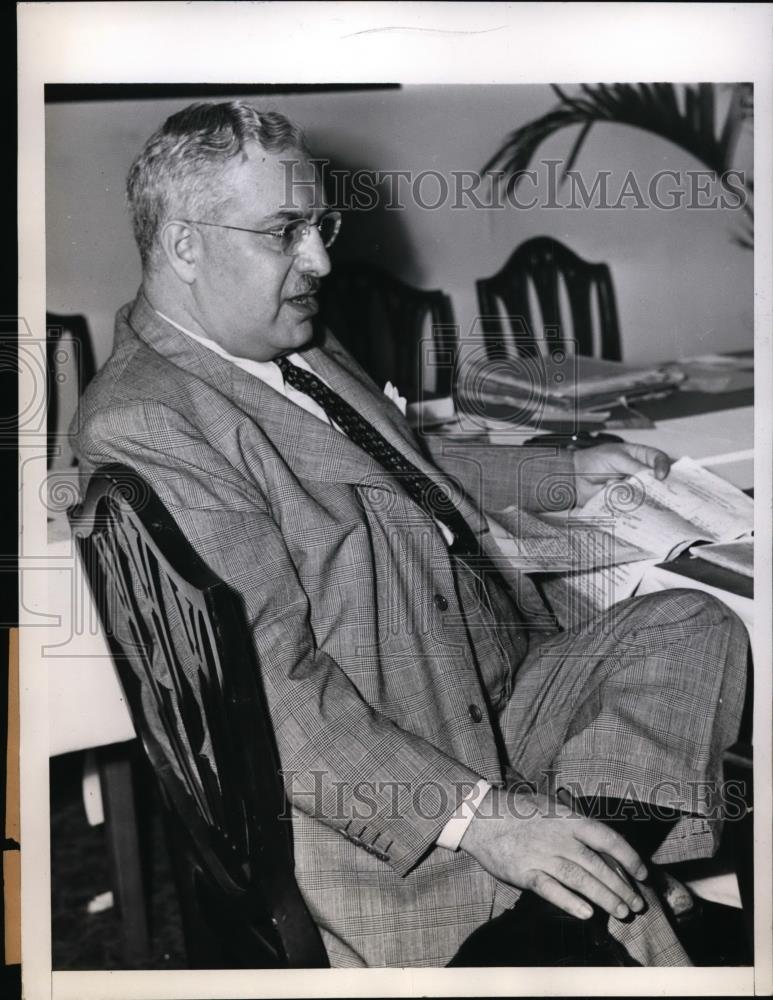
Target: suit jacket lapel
x,y
312,448
347,378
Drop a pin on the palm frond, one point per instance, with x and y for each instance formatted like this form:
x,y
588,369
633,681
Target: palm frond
x,y
575,151
652,107
738,113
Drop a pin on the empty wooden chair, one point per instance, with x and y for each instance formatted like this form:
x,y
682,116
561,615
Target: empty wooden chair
x,y
585,324
397,333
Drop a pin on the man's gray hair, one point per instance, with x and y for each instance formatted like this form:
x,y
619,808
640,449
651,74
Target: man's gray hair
x,y
178,168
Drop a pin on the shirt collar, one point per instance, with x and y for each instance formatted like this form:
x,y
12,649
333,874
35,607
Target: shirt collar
x,y
267,371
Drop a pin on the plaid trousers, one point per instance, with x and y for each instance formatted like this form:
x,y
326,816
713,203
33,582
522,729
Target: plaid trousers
x,y
638,703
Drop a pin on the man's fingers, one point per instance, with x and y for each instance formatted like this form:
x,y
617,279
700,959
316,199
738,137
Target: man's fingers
x,y
653,458
578,878
606,872
601,838
662,465
550,889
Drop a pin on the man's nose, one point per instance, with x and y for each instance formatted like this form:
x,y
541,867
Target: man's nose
x,y
312,256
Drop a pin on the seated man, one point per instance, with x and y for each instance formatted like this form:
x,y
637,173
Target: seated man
x,y
427,711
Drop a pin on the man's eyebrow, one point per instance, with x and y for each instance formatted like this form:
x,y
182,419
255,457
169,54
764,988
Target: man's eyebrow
x,y
289,215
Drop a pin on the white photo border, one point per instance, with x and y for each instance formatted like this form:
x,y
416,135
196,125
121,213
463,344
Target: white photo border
x,y
405,43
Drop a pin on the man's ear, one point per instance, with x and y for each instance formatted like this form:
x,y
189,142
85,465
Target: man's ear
x,y
181,246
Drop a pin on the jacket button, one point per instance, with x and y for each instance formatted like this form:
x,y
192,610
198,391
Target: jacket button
x,y
440,602
475,713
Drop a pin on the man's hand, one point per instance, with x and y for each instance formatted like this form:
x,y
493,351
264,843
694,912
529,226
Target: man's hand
x,y
536,843
598,465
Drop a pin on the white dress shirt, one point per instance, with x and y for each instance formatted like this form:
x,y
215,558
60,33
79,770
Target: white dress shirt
x,y
270,373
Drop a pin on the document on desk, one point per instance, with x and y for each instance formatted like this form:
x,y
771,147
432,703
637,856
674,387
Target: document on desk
x,y
576,597
534,545
658,518
664,517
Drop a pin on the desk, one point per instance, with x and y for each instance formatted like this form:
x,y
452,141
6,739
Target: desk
x,y
703,425
716,429
689,404
722,440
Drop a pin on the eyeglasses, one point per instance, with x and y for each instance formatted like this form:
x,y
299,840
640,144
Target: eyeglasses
x,y
289,236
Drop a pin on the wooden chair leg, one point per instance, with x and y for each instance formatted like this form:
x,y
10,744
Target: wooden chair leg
x,y
203,949
121,829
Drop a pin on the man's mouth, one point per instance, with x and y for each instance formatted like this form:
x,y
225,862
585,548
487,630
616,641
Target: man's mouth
x,y
306,303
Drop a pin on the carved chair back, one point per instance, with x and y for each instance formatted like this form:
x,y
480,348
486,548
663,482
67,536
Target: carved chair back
x,y
185,660
507,317
398,333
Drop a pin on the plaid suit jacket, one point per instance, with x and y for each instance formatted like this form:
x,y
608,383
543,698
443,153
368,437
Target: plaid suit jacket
x,y
368,666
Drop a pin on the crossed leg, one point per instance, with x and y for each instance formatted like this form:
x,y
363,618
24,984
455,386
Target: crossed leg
x,y
639,704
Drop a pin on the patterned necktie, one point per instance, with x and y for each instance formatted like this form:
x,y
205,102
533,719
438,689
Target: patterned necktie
x,y
430,496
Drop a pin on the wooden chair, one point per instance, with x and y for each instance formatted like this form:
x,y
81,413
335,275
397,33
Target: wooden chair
x,y
383,322
186,664
503,301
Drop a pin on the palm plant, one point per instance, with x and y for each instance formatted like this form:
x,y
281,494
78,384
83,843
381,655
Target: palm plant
x,y
652,107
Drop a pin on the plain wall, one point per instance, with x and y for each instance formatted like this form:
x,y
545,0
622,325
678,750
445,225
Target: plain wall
x,y
682,284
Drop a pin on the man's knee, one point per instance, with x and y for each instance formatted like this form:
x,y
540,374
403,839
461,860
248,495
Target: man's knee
x,y
671,614
695,607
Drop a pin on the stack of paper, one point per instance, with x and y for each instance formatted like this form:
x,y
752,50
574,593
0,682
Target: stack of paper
x,y
630,525
718,372
534,545
574,382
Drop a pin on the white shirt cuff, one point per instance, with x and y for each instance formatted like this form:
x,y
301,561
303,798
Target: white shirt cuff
x,y
451,835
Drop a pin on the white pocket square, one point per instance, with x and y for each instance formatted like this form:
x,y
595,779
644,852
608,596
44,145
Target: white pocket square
x,y
391,392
